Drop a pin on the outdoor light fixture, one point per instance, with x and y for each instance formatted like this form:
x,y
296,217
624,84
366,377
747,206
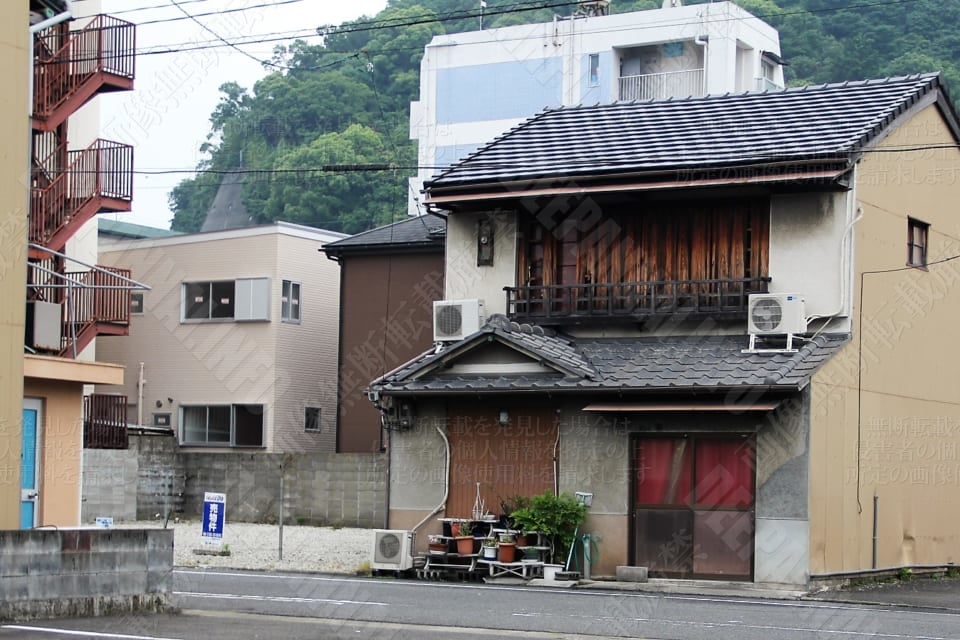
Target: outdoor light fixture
x,y
503,418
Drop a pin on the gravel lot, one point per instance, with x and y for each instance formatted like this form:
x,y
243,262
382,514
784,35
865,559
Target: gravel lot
x,y
255,546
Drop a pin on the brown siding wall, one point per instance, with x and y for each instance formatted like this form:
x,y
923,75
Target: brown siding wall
x,y
386,320
507,461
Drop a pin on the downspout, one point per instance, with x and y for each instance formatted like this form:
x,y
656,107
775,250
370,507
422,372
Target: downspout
x,y
140,383
854,215
446,483
556,457
701,41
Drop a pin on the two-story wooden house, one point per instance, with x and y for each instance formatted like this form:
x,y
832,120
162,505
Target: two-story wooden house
x,y
729,318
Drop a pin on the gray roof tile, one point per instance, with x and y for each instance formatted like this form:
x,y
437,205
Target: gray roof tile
x,y
426,230
823,121
637,364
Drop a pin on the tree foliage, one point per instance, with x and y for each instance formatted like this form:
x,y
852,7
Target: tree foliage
x,y
346,100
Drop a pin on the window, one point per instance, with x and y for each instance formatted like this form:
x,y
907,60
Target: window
x,y
917,242
594,69
236,425
290,301
136,303
311,419
219,300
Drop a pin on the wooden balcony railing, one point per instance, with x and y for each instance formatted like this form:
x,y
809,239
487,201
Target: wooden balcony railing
x,y
98,178
104,421
660,86
559,304
71,67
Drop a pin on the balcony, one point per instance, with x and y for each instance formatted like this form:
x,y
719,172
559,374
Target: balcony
x,y
97,179
104,421
92,303
71,67
660,86
724,299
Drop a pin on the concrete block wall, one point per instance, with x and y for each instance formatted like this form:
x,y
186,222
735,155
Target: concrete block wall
x,y
154,477
319,488
109,485
84,572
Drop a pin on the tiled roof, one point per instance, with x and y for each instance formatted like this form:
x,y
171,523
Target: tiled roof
x,y
426,230
693,363
816,122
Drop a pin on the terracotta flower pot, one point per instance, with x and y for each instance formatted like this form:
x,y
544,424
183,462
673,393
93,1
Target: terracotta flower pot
x,y
465,545
507,552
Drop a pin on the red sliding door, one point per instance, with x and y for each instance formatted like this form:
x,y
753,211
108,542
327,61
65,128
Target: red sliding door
x,y
693,506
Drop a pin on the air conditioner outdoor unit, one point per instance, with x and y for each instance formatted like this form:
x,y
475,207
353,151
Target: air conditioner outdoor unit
x,y
392,550
456,319
775,314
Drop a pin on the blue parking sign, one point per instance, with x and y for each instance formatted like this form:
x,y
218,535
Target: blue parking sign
x,y
214,507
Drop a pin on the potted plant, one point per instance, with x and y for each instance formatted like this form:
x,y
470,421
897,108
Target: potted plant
x,y
489,549
555,518
436,544
507,548
464,537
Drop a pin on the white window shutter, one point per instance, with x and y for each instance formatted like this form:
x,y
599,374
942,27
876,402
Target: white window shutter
x,y
252,299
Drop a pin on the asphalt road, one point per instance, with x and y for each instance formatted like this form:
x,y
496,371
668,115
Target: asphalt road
x,y
229,605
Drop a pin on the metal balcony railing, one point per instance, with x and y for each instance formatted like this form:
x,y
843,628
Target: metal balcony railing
x,y
98,178
104,421
660,86
71,66
558,304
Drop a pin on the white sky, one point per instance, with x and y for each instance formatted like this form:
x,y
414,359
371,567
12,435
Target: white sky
x,y
166,117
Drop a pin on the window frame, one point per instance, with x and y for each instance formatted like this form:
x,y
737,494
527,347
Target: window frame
x,y
287,298
914,227
232,442
137,310
209,284
248,302
307,421
593,69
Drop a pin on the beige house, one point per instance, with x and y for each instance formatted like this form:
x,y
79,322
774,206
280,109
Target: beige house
x,y
235,346
731,319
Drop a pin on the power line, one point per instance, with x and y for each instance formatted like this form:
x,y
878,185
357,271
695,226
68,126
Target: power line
x,y
193,17
373,25
156,6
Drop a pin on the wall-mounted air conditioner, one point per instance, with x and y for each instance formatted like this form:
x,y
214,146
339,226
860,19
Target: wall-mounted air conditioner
x,y
456,319
43,326
392,550
775,314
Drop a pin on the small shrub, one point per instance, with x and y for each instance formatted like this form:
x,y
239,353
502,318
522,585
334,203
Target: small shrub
x,y
363,569
953,573
905,574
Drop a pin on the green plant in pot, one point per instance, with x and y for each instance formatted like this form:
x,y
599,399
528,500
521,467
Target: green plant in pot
x,y
555,518
507,551
489,549
465,538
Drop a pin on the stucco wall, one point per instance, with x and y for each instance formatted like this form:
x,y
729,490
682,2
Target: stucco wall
x,y
807,248
464,279
886,417
14,165
61,449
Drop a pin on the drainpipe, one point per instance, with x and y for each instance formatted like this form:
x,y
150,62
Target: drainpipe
x,y
140,383
446,484
876,520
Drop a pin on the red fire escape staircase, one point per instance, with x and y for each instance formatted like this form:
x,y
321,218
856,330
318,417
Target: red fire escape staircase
x,y
92,303
70,187
71,67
